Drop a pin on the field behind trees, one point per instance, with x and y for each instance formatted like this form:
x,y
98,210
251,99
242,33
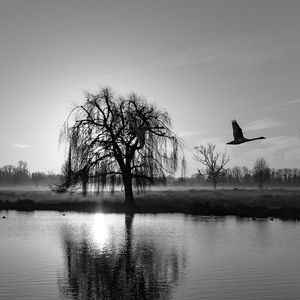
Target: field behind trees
x,y
238,193
283,203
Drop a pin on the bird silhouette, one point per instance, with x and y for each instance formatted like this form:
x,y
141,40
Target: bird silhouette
x,y
238,135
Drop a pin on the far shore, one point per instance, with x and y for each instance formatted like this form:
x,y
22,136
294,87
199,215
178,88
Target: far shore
x,y
266,203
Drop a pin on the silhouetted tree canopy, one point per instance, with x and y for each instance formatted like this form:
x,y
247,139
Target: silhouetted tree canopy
x,y
236,173
113,139
261,171
15,175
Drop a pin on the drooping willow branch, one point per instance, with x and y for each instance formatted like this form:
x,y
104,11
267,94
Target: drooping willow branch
x,y
112,139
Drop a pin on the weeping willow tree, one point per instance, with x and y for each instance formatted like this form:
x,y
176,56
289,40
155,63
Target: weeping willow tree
x,y
113,139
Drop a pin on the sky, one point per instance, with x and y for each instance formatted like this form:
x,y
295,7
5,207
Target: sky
x,y
204,61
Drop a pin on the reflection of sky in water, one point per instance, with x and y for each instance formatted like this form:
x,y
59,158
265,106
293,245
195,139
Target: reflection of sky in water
x,y
100,231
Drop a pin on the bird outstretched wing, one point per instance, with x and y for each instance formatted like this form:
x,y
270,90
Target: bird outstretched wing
x,y
237,131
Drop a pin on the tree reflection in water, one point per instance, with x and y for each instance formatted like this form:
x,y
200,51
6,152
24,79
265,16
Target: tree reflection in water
x,y
136,268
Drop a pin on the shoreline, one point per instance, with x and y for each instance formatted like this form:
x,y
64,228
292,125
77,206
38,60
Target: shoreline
x,y
268,203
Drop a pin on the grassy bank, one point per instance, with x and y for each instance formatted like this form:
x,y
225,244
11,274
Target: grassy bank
x,y
241,202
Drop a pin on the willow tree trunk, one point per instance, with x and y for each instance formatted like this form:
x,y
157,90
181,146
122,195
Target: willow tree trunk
x,y
84,187
127,179
84,180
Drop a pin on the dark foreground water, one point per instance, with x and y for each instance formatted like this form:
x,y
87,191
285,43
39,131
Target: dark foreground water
x,y
45,255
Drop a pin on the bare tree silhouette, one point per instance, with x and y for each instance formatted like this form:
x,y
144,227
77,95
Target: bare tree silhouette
x,y
113,139
236,174
261,171
213,160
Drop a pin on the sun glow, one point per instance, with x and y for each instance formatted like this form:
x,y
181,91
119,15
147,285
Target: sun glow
x,y
100,230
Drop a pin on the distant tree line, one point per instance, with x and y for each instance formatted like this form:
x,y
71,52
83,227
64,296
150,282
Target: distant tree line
x,y
260,175
11,175
238,176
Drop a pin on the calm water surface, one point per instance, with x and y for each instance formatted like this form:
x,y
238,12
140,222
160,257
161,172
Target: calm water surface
x,y
45,255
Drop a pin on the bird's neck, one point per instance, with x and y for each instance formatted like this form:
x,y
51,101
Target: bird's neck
x,y
258,138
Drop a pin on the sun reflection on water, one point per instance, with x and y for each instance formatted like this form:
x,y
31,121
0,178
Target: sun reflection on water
x,y
100,232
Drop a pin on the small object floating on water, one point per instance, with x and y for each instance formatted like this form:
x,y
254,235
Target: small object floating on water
x,y
271,219
63,214
253,219
3,217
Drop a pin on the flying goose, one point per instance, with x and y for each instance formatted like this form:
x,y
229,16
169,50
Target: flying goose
x,y
238,135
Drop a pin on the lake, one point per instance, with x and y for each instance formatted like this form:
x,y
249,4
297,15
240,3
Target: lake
x,y
48,255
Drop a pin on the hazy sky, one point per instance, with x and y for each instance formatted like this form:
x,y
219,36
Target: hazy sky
x,y
205,61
